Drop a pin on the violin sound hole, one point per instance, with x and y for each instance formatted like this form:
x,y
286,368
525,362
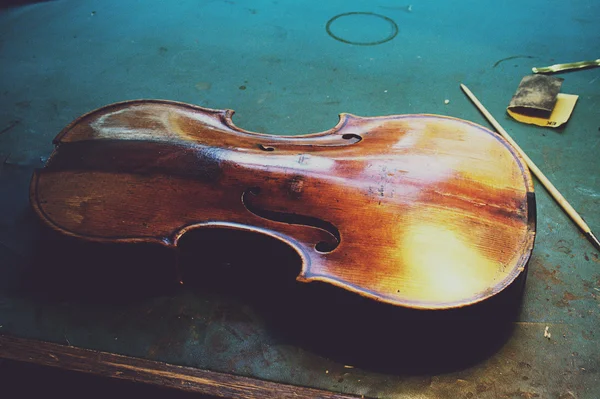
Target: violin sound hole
x,y
353,138
293,218
266,147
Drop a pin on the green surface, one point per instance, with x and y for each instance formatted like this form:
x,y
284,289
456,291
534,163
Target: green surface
x,y
274,63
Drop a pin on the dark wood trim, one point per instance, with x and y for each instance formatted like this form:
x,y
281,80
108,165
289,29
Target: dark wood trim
x,y
152,372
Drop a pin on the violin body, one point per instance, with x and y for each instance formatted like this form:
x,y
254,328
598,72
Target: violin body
x,y
420,211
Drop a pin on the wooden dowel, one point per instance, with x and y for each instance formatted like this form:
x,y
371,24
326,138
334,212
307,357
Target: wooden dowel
x,y
536,171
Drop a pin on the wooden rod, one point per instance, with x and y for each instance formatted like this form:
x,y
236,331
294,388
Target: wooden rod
x,y
536,171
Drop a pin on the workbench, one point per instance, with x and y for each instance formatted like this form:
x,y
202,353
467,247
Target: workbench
x,y
241,326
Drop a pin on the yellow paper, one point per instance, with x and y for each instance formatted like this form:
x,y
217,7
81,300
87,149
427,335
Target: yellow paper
x,y
559,116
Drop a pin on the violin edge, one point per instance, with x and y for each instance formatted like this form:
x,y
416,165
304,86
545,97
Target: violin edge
x,y
226,116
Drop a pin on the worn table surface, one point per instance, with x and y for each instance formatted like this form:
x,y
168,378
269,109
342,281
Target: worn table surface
x,y
275,64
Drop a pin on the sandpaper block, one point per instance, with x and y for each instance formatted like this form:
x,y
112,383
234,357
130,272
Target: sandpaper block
x,y
538,101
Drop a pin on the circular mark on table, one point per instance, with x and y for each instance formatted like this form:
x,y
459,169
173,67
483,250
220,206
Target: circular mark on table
x,y
361,19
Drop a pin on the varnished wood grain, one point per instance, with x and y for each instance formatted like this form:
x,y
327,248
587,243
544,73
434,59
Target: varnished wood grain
x,y
558,197
420,211
152,372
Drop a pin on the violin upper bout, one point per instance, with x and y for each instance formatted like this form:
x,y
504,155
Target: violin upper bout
x,y
153,120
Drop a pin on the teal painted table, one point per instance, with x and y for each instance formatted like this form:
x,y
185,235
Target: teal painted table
x,y
275,64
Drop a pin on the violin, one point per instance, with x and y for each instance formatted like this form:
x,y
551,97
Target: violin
x,y
417,211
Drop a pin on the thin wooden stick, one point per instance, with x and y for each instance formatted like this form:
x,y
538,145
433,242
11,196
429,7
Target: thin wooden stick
x,y
536,171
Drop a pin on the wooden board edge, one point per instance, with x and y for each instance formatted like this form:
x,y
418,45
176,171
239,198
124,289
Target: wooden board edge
x,y
151,372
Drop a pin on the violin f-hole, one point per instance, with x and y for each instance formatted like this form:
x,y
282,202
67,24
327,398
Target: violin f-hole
x,y
353,138
328,141
266,147
293,218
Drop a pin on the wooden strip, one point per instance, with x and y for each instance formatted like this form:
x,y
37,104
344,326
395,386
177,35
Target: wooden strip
x,y
152,372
